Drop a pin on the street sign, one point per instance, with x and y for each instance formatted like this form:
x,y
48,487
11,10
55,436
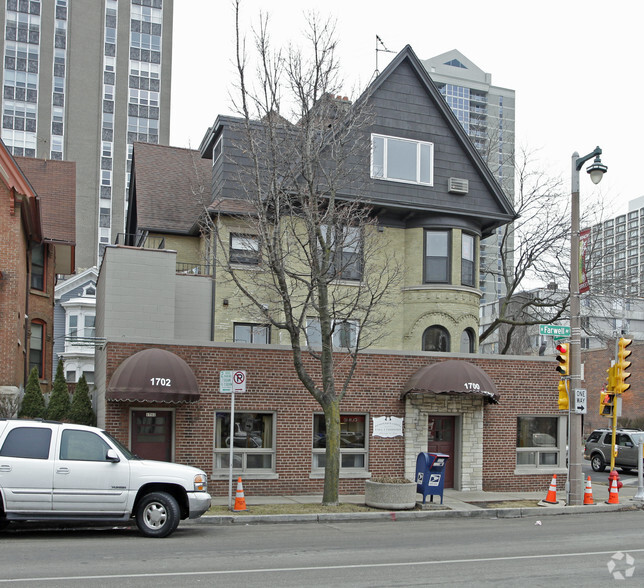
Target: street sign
x,y
226,382
580,401
554,331
239,381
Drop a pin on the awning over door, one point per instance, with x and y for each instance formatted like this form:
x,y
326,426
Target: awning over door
x,y
153,375
451,377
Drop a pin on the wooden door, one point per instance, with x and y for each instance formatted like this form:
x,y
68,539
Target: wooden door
x,y
152,434
440,439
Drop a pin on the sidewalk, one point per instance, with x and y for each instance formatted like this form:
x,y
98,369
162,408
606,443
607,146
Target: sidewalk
x,y
455,504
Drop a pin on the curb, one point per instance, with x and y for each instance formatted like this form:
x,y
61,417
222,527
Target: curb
x,y
406,515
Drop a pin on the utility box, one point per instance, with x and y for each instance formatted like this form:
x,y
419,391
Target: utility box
x,y
430,474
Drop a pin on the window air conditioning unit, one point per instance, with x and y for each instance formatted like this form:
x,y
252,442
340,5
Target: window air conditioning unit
x,y
458,186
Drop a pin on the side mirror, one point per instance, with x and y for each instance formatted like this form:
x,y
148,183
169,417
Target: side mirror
x,y
112,456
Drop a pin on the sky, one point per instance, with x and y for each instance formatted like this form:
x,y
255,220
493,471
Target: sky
x,y
575,67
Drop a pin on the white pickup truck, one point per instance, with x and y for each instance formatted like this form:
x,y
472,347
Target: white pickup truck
x,y
52,471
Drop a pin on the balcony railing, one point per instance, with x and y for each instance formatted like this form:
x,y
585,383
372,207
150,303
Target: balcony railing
x,y
195,269
142,241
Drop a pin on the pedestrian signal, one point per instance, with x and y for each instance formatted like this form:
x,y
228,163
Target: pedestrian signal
x,y
606,403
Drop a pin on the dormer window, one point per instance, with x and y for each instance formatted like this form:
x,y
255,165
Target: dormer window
x,y
402,160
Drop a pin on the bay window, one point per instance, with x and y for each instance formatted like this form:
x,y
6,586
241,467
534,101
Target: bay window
x,y
467,260
437,256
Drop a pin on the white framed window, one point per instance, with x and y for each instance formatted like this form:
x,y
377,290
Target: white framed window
x,y
353,442
346,245
402,160
467,260
216,151
253,442
251,333
541,442
244,249
345,333
437,256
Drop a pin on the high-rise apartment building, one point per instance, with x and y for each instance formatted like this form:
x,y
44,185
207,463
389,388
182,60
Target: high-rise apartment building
x,y
487,114
615,263
82,81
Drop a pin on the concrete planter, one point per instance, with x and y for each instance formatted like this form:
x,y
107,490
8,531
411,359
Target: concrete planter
x,y
390,496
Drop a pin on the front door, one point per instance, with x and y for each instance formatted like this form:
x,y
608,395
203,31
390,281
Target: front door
x,y
152,434
440,439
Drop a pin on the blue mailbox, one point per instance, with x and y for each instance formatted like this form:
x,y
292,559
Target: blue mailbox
x,y
430,474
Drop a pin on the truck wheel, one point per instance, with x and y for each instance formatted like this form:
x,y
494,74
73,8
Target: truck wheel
x,y
597,463
157,514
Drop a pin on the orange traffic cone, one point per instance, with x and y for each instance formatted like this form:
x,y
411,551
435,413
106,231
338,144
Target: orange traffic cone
x,y
588,493
613,496
240,501
551,497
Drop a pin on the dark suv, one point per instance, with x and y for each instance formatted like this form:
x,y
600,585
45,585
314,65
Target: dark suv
x,y
598,444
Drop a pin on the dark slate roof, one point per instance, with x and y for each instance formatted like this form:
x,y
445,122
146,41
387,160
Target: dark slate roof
x,y
55,184
171,187
502,210
231,206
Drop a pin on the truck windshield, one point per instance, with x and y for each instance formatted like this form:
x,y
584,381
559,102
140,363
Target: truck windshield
x,y
126,452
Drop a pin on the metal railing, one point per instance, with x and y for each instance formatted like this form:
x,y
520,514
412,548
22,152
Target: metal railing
x,y
195,269
140,240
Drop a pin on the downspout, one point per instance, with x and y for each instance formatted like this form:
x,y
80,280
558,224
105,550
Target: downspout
x,y
213,280
26,341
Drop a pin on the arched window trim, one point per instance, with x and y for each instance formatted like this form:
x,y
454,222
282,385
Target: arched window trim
x,y
441,332
470,335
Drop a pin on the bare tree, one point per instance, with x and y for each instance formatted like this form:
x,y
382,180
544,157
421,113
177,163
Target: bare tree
x,y
326,270
534,256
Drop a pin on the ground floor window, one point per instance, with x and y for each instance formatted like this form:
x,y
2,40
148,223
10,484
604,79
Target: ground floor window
x,y
541,442
353,442
253,440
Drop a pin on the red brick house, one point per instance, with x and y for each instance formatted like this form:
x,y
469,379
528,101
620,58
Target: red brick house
x,y
37,222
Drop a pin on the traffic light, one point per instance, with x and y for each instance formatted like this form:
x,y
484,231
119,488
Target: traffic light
x,y
563,395
606,403
622,365
564,359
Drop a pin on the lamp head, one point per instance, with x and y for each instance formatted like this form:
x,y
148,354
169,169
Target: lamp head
x,y
597,170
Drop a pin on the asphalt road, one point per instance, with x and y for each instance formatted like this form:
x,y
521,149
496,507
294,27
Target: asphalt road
x,y
566,550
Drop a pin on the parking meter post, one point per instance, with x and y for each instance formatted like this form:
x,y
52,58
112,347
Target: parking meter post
x,y
640,470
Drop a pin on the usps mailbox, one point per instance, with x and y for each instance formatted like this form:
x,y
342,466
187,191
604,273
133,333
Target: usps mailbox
x,y
430,474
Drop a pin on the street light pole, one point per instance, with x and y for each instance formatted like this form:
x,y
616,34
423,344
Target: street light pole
x,y
575,477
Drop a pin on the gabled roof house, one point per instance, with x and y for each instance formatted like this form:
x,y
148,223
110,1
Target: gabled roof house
x,y
434,199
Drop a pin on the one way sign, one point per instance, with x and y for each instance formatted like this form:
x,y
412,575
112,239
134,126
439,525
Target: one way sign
x,y
580,401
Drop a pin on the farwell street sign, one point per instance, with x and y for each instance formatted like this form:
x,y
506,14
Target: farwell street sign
x,y
554,330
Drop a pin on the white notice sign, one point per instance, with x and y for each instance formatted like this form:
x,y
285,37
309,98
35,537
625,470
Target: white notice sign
x,y
226,382
580,401
387,426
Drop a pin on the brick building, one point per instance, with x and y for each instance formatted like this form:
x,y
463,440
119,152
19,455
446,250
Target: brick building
x,y
278,454
596,363
36,243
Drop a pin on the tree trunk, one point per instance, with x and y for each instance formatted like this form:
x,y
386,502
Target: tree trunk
x,y
332,467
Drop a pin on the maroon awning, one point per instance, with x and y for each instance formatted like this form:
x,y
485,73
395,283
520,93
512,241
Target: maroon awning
x,y
451,377
153,375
